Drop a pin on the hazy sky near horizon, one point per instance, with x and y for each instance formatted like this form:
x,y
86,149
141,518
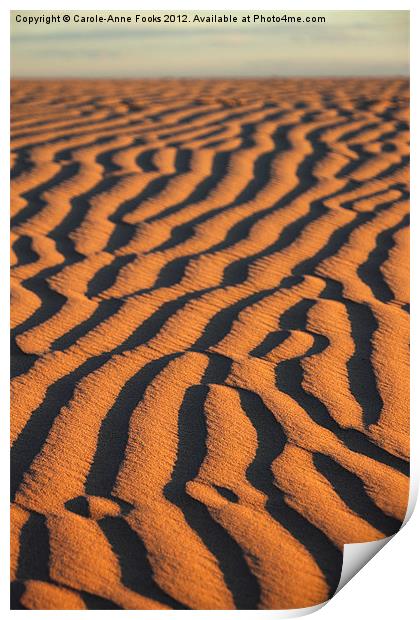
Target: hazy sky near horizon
x,y
349,43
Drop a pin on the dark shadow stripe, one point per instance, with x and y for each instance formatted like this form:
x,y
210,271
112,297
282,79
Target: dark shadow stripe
x,y
183,232
335,242
23,162
370,271
49,126
32,437
25,255
106,158
79,208
393,168
131,124
114,430
145,161
237,271
71,154
361,374
227,493
17,590
106,276
51,301
149,328
20,362
260,177
350,135
34,552
201,191
136,572
93,601
123,232
201,136
271,442
289,378
218,369
338,239
349,204
183,158
221,323
192,434
209,127
351,490
120,236
104,311
354,164
79,505
172,273
358,442
270,342
34,196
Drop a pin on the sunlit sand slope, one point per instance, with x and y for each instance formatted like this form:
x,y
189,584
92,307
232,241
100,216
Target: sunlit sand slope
x,y
210,338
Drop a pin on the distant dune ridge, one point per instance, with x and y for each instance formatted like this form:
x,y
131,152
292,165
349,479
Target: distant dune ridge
x,y
210,338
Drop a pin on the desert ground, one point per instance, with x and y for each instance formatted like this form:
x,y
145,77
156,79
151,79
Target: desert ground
x,y
210,325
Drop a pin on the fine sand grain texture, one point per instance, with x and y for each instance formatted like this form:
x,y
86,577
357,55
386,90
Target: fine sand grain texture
x,y
210,338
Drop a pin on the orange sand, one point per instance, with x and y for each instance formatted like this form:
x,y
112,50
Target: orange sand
x,y
210,338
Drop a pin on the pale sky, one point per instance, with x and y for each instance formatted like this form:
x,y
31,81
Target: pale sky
x,y
349,43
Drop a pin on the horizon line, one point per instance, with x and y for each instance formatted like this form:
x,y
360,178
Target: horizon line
x,y
391,76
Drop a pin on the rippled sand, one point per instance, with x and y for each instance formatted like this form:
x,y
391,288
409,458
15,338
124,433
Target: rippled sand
x,y
210,338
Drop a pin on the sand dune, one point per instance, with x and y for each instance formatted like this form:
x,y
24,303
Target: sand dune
x,y
210,338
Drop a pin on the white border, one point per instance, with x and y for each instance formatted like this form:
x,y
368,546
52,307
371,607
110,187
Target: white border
x,y
348,609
